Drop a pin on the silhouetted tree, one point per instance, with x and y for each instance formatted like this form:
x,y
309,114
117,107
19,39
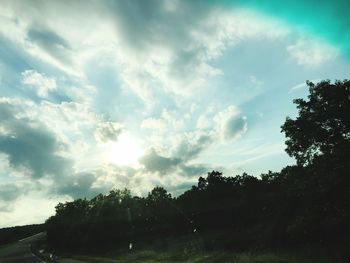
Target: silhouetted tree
x,y
323,124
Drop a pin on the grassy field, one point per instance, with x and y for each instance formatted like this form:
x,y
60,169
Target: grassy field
x,y
4,249
191,248
149,256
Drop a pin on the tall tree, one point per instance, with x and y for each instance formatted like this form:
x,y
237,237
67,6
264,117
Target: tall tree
x,y
323,124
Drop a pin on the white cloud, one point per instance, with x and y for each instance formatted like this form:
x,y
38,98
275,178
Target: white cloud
x,y
203,122
169,45
39,82
312,53
32,208
154,124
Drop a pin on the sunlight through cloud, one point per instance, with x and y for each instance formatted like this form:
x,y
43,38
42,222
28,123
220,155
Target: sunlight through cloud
x,y
126,151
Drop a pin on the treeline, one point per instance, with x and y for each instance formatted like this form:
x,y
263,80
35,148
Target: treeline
x,y
12,234
305,204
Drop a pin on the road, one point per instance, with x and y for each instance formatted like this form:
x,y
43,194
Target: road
x,y
20,251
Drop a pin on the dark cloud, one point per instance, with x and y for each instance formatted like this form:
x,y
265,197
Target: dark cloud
x,y
153,162
79,185
190,148
194,170
108,131
235,126
231,123
157,163
8,194
30,145
139,21
51,42
35,150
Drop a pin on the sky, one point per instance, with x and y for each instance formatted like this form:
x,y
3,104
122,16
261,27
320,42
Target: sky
x,y
96,95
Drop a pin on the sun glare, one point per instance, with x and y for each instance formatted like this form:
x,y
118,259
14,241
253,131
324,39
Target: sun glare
x,y
126,151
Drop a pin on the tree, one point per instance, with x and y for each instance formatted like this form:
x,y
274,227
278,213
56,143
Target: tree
x,y
214,178
158,195
323,125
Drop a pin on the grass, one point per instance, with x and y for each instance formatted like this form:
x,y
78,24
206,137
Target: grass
x,y
192,249
151,256
4,249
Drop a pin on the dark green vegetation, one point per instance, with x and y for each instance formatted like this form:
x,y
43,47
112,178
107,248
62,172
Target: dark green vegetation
x,y
154,256
11,234
302,206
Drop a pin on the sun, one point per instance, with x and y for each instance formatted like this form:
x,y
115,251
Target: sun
x,y
125,152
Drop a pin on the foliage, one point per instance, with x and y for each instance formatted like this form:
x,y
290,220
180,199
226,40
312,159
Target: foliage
x,y
11,234
323,124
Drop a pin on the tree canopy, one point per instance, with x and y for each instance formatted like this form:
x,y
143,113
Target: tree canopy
x,y
323,124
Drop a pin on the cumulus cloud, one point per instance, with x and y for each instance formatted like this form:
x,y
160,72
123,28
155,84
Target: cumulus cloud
x,y
175,47
108,131
192,144
8,194
180,153
231,123
188,147
169,120
80,185
43,142
153,43
154,162
50,152
203,122
29,144
154,124
39,82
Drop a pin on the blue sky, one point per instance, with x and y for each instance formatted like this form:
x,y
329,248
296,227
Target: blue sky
x,y
96,95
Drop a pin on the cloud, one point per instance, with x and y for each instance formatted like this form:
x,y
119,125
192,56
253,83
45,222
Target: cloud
x,y
40,141
312,53
194,170
176,48
181,152
108,131
153,44
168,121
154,162
193,144
187,147
52,43
203,122
8,194
29,144
80,185
39,82
231,123
154,124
